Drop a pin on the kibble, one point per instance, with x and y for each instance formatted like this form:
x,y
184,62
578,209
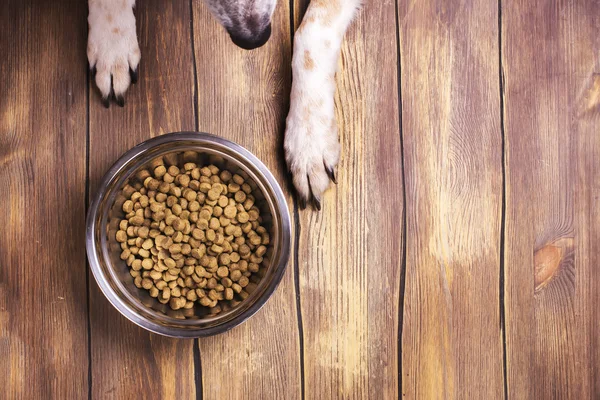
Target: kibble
x,y
192,235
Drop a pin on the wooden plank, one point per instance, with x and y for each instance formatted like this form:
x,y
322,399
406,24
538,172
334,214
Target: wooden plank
x,y
350,254
43,314
243,96
127,361
549,54
451,342
587,231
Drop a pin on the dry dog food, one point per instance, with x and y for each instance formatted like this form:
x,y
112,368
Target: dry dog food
x,y
192,235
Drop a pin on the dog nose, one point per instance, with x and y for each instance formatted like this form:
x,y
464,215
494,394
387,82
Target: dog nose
x,y
253,42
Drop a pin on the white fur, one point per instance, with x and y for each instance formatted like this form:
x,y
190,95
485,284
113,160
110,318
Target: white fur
x,y
311,138
112,44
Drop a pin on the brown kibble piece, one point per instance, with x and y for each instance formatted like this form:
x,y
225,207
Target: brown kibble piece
x,y
213,194
254,239
253,215
170,263
143,174
164,187
223,201
136,220
160,171
143,232
128,206
205,301
261,250
238,179
176,303
184,180
217,211
205,213
243,217
195,173
216,249
147,264
225,176
236,288
205,187
147,283
230,212
175,248
212,283
244,250
240,196
224,259
210,235
243,282
121,236
224,221
202,224
235,275
233,188
155,274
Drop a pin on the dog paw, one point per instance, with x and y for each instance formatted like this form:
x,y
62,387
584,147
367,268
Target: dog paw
x,y
312,149
113,51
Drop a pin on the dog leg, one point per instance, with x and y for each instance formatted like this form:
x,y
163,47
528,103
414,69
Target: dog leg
x,y
112,50
311,139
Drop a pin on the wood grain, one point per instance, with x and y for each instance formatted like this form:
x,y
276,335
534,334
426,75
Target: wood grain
x,y
451,340
350,254
243,96
129,362
43,315
455,68
549,55
587,237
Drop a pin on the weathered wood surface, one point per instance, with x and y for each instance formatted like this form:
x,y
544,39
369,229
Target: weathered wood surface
x,y
43,313
456,258
549,55
451,336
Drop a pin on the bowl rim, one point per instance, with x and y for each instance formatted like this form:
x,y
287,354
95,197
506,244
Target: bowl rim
x,y
93,252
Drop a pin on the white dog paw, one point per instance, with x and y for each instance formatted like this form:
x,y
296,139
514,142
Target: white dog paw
x,y
113,51
312,149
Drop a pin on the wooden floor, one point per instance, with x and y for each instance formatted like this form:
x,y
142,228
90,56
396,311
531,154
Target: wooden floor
x,y
456,258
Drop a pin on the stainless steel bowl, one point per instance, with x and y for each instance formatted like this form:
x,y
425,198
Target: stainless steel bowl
x,y
112,274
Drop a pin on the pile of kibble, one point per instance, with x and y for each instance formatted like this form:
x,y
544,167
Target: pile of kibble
x,y
192,235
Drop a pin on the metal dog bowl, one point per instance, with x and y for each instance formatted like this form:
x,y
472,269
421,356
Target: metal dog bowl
x,y
112,274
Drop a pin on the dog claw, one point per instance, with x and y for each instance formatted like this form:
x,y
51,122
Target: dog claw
x,y
120,100
134,75
317,203
302,202
331,173
106,102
